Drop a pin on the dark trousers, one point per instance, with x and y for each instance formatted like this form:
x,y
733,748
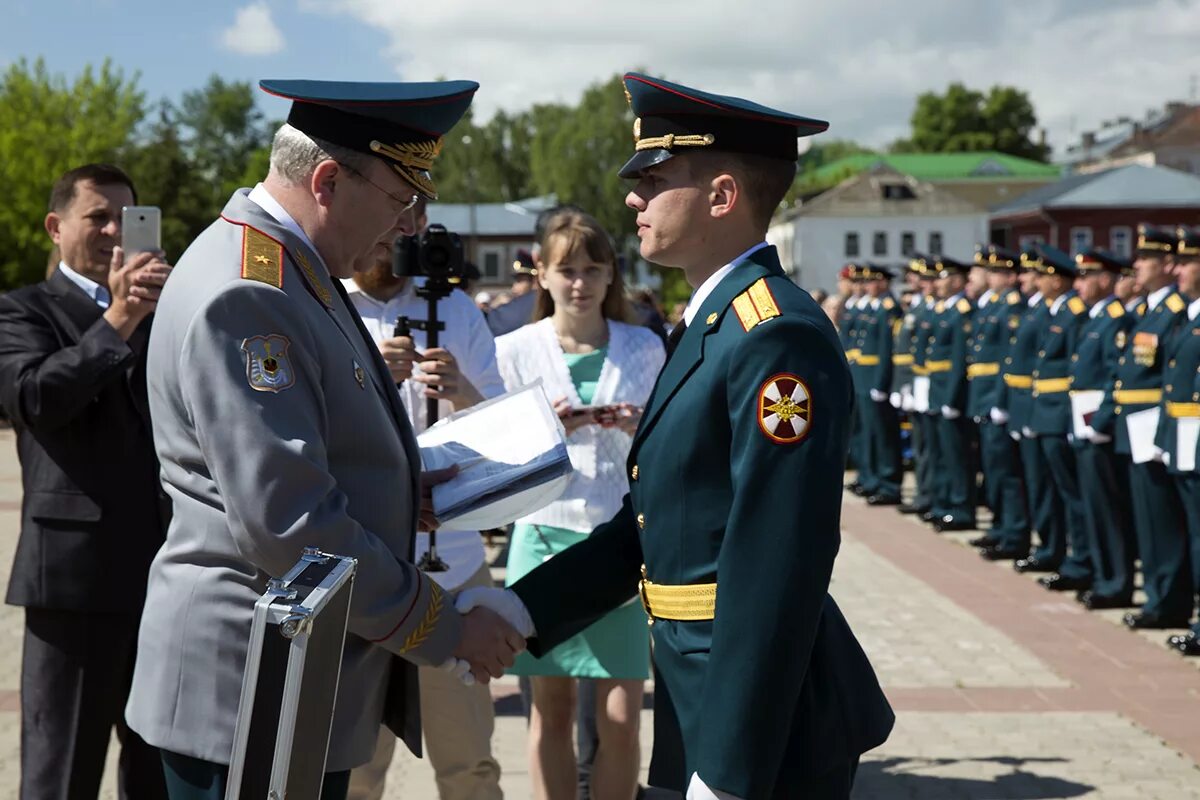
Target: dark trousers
x,y
933,456
1072,537
1003,485
76,671
1044,514
193,779
1105,495
1189,491
861,443
883,441
922,463
956,495
1162,541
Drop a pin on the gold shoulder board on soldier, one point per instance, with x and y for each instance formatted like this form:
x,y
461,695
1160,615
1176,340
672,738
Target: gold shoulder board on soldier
x,y
1115,309
756,305
262,258
1175,303
964,305
1076,305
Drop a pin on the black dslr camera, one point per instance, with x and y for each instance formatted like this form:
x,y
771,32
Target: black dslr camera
x,y
436,254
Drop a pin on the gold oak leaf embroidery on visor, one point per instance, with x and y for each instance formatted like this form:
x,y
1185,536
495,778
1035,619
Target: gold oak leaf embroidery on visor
x,y
268,368
784,409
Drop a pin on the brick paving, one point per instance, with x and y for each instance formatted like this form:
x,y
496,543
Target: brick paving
x,y
1002,690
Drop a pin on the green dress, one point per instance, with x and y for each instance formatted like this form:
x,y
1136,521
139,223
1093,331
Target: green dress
x,y
616,645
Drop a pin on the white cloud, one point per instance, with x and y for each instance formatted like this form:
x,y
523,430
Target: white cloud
x,y
858,63
253,32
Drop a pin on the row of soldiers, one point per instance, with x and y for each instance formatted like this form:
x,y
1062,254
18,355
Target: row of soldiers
x,y
1072,385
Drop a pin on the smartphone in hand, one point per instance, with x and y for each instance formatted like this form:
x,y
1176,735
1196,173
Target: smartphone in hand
x,y
141,229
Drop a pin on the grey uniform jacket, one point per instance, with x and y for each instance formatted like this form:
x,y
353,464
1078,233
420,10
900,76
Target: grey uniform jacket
x,y
277,427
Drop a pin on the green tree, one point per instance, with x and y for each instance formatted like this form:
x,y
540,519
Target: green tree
x,y
967,120
47,126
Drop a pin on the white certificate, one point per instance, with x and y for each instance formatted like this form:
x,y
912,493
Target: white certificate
x,y
1186,435
921,394
1142,426
1084,404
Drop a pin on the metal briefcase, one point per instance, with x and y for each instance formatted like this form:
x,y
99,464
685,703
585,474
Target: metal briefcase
x,y
288,691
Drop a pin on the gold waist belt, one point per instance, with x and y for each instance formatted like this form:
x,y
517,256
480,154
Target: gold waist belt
x,y
1052,385
1019,381
1136,396
697,601
982,370
920,371
867,361
852,355
902,360
1178,410
937,366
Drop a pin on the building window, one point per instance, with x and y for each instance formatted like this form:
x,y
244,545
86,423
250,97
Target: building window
x,y
1028,240
935,243
879,243
908,243
1081,239
1120,241
492,258
897,191
851,245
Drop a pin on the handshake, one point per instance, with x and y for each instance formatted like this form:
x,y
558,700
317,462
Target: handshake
x,y
495,627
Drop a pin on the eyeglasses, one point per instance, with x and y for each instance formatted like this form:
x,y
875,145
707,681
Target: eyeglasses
x,y
405,205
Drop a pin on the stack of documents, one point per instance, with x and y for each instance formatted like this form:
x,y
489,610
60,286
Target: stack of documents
x,y
511,452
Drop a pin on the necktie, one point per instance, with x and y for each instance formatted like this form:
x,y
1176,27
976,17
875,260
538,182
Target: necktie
x,y
676,334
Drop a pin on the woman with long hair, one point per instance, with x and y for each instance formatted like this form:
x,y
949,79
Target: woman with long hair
x,y
601,369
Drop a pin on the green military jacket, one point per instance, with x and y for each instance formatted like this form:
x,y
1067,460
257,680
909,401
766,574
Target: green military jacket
x,y
1050,399
994,324
904,335
946,356
1016,397
875,346
1181,387
736,479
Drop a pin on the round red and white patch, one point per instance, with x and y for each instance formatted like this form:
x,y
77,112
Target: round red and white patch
x,y
784,409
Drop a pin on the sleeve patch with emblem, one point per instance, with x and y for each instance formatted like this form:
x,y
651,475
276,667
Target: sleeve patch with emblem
x,y
268,368
262,257
784,408
756,305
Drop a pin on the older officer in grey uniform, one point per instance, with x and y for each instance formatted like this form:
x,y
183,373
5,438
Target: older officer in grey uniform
x,y
278,426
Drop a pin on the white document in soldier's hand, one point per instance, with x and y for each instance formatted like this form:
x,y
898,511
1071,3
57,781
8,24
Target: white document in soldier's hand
x,y
1187,435
511,452
1142,426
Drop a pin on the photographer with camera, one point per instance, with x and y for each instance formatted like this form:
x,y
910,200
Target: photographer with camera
x,y
459,372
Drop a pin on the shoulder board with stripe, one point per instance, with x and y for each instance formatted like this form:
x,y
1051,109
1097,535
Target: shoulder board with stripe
x,y
262,258
1115,309
964,306
889,303
939,307
756,305
1014,298
1076,305
1141,309
1175,303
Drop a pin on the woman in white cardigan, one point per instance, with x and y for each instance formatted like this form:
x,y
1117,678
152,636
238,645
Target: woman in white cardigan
x,y
601,371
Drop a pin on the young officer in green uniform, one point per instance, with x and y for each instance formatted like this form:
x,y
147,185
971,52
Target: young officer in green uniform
x,y
1017,407
731,523
1050,422
923,434
999,313
1138,386
946,360
1181,402
857,319
1102,475
881,427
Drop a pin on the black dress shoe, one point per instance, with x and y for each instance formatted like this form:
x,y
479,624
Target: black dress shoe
x,y
883,500
909,508
1139,620
1190,646
1061,583
985,540
860,491
1096,602
1031,564
928,516
998,553
949,523
1177,640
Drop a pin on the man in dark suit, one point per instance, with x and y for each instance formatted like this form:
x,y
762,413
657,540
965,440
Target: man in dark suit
x,y
72,379
733,477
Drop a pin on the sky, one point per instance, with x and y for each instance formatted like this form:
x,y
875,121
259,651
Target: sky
x,y
858,63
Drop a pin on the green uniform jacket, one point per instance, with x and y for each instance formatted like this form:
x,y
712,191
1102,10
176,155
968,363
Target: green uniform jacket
x,y
946,358
875,347
994,323
902,346
1051,399
1017,394
775,690
1140,367
1181,390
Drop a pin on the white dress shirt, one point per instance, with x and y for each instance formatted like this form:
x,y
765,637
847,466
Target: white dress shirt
x,y
99,294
